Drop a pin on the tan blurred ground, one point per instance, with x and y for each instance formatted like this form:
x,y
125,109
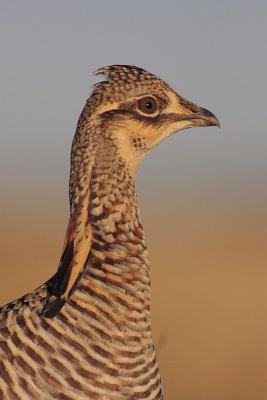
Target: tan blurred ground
x,y
209,279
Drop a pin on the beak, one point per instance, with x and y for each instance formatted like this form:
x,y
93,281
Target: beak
x,y
204,118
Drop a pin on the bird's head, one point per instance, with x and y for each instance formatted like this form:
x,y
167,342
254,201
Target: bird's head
x,y
137,110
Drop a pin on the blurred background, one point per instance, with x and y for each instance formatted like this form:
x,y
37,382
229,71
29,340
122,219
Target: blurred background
x,y
202,193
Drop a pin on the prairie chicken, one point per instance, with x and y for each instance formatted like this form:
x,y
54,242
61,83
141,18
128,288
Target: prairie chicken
x,y
86,332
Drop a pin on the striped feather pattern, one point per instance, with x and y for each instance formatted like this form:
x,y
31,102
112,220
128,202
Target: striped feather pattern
x,y
100,344
86,333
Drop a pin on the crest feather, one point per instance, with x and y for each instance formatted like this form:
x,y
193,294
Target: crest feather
x,y
118,71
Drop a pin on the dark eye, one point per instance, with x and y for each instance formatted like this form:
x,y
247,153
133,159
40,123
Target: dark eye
x,y
148,105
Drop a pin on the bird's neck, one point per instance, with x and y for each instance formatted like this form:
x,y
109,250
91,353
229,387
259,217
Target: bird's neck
x,y
117,277
118,264
113,296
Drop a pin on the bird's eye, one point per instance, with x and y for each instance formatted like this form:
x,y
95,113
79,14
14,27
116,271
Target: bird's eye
x,y
148,105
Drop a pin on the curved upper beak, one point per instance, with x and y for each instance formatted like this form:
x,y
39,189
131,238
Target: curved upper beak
x,y
204,118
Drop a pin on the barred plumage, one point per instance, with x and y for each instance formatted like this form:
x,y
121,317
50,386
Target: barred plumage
x,y
86,333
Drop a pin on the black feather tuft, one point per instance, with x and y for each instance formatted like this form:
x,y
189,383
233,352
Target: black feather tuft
x,y
51,309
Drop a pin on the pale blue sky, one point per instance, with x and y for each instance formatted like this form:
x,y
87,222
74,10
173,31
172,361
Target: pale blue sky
x,y
212,52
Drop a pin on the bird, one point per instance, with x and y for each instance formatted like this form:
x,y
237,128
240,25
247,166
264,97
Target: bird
x,y
86,332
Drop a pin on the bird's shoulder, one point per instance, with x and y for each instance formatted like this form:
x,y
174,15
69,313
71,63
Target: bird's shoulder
x,y
29,304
